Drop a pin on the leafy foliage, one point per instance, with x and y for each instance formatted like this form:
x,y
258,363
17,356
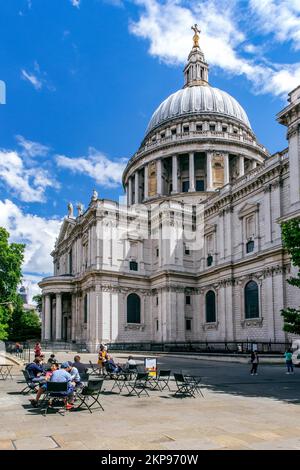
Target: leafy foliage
x,y
11,259
24,325
291,240
38,300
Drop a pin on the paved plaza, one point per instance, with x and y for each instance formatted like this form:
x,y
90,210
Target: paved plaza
x,y
239,411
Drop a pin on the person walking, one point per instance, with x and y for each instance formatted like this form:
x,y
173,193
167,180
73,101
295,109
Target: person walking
x,y
289,361
254,361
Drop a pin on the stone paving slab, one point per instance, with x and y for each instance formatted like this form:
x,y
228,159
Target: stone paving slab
x,y
37,443
159,422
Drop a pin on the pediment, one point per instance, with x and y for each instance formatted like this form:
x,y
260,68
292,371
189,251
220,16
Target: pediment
x,y
65,229
247,209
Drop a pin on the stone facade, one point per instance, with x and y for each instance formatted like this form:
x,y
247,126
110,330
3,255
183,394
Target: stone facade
x,y
198,240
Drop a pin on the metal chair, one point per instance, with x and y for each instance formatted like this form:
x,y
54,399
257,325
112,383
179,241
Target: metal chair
x,y
138,385
161,381
95,370
184,385
57,392
84,377
196,381
92,390
30,385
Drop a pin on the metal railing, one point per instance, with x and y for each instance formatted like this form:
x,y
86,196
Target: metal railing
x,y
232,347
63,346
22,351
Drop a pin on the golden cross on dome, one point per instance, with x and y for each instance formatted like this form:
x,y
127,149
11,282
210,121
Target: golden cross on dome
x,y
197,31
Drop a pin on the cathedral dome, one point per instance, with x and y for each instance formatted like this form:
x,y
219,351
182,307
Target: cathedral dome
x,y
198,99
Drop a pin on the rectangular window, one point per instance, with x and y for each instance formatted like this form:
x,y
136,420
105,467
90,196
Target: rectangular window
x,y
157,325
224,128
250,246
163,135
133,266
187,250
188,324
199,127
185,186
156,300
157,252
199,185
173,131
187,300
212,127
186,129
85,309
70,261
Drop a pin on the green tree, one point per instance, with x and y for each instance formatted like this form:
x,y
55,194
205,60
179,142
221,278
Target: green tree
x,y
38,299
291,241
24,325
11,259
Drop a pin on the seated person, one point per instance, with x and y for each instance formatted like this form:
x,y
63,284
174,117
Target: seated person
x,y
52,359
111,366
35,370
82,369
130,364
58,375
75,377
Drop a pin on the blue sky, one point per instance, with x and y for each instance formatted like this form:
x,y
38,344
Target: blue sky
x,y
83,78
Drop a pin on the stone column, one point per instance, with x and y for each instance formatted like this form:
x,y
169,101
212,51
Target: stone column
x,y
159,176
136,187
209,185
192,172
226,168
146,183
58,319
47,317
129,191
174,174
254,164
241,166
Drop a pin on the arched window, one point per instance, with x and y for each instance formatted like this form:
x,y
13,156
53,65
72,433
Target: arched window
x,y
251,300
209,260
210,302
133,309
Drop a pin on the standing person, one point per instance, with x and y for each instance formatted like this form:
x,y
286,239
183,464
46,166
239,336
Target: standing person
x,y
289,361
37,350
254,361
102,357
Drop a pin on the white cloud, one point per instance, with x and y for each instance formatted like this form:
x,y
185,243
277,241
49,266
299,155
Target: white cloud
x,y
167,27
30,281
32,149
281,18
29,184
37,77
75,3
105,172
31,78
37,233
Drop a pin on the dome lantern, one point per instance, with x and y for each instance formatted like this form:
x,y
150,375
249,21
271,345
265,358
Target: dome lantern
x,y
196,70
